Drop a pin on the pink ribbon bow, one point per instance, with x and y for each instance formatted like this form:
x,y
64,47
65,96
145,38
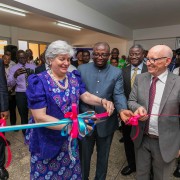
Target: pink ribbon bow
x,y
133,121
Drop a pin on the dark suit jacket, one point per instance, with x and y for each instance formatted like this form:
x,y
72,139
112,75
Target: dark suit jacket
x,y
168,126
40,69
126,72
4,106
105,83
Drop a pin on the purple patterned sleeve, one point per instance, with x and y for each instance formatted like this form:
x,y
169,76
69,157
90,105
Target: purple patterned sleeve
x,y
81,83
36,93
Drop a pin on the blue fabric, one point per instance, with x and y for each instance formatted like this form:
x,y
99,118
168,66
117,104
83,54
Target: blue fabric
x,y
43,92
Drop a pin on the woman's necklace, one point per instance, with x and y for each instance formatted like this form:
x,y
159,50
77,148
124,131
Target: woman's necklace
x,y
56,81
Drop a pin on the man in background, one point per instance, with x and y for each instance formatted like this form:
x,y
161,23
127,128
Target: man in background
x,y
8,63
18,75
85,56
136,57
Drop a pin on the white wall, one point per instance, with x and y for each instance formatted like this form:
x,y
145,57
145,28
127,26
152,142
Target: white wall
x,y
90,39
159,35
15,34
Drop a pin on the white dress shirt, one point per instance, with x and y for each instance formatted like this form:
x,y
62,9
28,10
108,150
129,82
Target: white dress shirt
x,y
139,69
153,123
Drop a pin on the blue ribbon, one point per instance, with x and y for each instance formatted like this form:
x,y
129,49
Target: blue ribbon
x,y
82,126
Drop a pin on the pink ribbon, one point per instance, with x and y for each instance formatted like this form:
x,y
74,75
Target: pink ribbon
x,y
133,121
73,116
3,123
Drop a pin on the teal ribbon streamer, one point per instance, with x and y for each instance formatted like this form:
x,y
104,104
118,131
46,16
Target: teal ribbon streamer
x,y
82,127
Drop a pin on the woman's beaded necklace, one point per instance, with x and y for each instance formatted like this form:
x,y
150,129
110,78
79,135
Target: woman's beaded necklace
x,y
56,81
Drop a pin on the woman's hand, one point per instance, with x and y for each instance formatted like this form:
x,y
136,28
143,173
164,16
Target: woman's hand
x,y
108,105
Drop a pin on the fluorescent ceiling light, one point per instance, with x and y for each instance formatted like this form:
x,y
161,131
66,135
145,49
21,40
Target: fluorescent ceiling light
x,y
10,9
70,26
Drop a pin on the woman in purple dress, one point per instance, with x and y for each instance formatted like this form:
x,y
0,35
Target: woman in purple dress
x,y
50,95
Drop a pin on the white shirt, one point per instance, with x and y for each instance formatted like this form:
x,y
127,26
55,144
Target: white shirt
x,y
153,123
139,69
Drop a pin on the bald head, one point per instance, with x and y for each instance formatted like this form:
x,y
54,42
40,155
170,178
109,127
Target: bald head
x,y
158,59
162,51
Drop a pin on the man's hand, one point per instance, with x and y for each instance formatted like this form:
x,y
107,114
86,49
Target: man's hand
x,y
5,114
125,114
19,72
142,112
108,105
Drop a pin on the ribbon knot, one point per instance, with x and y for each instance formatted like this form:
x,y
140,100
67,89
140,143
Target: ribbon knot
x,y
133,121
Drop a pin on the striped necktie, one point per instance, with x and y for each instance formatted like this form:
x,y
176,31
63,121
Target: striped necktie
x,y
134,76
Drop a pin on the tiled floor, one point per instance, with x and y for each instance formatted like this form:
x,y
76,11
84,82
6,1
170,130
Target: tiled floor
x,y
19,168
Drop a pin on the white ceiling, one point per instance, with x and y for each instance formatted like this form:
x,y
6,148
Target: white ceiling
x,y
135,14
139,14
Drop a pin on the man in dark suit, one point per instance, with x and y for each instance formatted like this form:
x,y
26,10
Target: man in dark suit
x,y
4,114
154,93
136,57
104,81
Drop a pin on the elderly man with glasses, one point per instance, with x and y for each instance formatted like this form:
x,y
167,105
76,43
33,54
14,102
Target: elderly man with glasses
x,y
156,98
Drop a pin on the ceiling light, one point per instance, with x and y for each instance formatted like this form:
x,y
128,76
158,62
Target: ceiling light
x,y
10,9
67,25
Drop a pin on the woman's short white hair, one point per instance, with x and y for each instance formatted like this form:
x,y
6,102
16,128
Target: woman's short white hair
x,y
56,48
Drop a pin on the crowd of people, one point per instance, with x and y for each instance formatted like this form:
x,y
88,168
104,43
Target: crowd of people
x,y
145,84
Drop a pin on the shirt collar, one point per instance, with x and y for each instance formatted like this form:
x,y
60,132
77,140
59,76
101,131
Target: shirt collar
x,y
139,67
162,77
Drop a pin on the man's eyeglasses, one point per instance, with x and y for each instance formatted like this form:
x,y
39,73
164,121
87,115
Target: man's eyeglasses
x,y
153,60
105,55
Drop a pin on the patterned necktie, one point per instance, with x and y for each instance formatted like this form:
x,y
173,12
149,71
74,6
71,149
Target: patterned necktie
x,y
152,93
133,76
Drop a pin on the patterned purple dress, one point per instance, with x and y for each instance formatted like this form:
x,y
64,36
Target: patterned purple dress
x,y
49,149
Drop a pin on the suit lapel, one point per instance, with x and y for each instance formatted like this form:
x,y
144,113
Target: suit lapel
x,y
167,90
128,76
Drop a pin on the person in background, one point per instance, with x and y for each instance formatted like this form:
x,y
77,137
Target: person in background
x,y
173,64
156,92
17,78
50,96
122,62
114,62
177,72
3,114
136,58
107,83
8,63
29,56
79,60
85,56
